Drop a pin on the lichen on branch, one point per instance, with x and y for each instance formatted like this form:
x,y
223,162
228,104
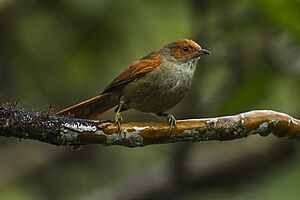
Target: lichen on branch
x,y
71,131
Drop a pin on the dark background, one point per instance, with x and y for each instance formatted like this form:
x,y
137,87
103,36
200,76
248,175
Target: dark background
x,y
58,52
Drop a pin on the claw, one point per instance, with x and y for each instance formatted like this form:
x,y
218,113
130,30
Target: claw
x,y
119,121
172,122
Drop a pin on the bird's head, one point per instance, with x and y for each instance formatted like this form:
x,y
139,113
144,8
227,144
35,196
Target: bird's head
x,y
184,50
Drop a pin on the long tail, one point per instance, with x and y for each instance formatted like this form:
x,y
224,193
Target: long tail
x,y
91,108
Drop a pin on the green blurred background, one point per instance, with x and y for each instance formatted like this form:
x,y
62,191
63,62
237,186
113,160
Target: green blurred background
x,y
58,52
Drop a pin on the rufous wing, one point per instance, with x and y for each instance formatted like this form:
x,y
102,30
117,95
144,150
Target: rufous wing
x,y
135,71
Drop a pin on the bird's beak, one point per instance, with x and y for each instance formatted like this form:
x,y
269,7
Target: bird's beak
x,y
201,52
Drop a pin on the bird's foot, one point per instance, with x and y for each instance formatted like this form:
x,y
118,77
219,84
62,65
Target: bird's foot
x,y
119,121
172,122
170,118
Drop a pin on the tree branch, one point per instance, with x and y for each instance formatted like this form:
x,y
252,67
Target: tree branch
x,y
70,131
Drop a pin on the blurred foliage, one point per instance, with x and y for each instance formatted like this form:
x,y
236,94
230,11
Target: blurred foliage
x,y
60,52
282,13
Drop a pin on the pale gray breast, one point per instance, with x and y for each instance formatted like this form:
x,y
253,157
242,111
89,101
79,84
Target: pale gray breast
x,y
161,89
177,78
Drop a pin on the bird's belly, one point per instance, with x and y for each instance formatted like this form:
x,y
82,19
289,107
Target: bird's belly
x,y
156,92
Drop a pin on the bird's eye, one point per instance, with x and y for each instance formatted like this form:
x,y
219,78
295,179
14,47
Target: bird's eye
x,y
185,49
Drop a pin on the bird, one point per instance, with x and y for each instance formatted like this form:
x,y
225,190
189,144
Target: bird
x,y
154,84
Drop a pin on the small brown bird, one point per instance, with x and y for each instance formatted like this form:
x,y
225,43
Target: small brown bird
x,y
153,84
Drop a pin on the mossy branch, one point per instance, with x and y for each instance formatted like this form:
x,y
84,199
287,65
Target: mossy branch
x,y
70,131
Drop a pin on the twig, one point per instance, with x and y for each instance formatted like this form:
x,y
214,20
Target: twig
x,y
71,131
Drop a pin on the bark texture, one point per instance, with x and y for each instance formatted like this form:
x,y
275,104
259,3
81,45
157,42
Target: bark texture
x,y
71,131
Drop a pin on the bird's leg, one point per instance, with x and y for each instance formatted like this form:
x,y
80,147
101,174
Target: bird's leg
x,y
170,118
118,117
